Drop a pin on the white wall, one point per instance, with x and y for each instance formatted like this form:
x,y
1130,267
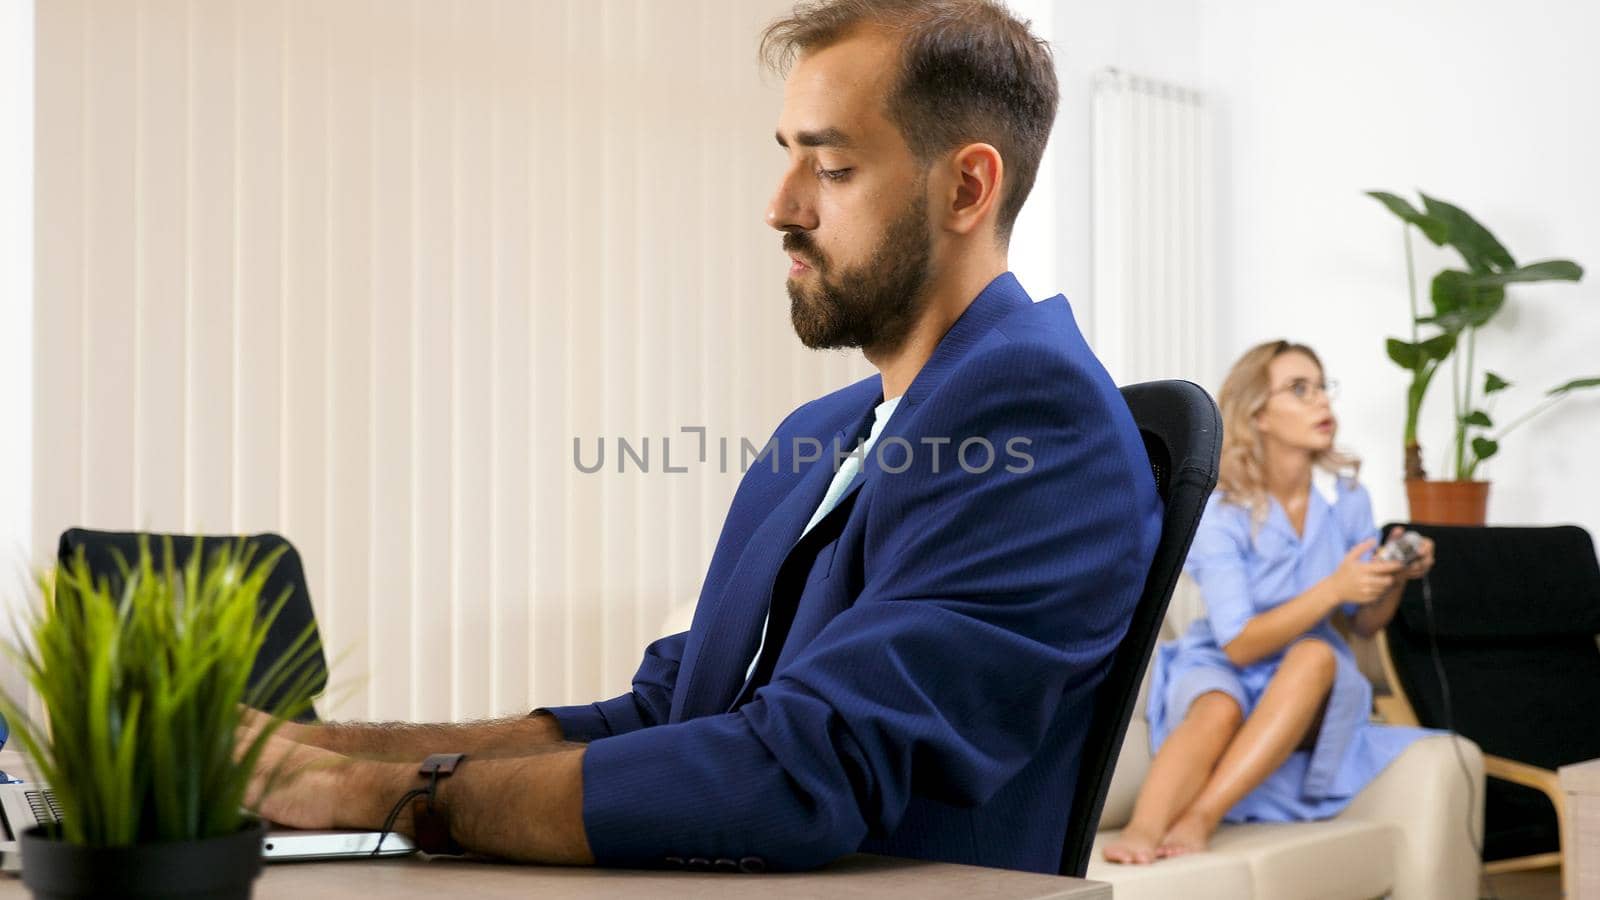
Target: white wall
x,y
1052,249
16,308
1495,106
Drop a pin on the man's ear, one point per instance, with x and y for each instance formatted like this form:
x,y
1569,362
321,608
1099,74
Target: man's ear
x,y
973,197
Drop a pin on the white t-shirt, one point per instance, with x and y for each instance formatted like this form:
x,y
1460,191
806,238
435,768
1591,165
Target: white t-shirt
x,y
836,488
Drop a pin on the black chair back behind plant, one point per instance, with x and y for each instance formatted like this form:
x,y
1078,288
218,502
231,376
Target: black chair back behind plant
x,y
1182,433
106,551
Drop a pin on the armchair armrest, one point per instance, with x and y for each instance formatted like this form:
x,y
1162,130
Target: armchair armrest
x,y
1528,776
1544,781
1424,795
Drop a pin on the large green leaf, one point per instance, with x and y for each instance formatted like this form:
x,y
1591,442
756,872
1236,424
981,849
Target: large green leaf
x,y
1449,291
1438,347
1545,270
1461,300
1405,354
1482,251
1432,228
1576,384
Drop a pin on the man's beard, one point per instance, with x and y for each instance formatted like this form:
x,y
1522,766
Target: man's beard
x,y
873,306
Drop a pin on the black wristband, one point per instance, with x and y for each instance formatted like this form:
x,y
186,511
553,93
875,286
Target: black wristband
x,y
429,822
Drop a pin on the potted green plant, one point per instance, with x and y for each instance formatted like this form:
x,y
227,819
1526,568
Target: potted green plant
x,y
143,682
1463,301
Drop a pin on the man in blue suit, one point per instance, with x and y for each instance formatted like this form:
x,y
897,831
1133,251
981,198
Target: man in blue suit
x,y
899,637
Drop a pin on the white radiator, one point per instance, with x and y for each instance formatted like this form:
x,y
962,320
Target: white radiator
x,y
1155,313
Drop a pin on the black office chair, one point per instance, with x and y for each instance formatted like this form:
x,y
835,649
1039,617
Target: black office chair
x,y
1514,618
101,550
1182,433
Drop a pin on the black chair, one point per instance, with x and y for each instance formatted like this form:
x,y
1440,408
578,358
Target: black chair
x,y
1514,616
101,551
1182,433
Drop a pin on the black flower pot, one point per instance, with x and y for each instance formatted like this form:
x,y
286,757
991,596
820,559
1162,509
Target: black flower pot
x,y
223,868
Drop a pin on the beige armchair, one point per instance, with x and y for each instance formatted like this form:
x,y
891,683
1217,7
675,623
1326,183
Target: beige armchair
x,y
1405,836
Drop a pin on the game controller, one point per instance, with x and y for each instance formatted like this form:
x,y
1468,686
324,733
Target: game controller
x,y
1404,548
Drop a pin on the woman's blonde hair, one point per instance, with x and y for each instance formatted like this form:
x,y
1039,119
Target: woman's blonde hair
x,y
1245,392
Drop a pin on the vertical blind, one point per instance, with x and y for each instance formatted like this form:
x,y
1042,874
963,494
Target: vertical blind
x,y
361,271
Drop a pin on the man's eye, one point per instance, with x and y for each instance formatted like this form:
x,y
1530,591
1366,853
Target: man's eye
x,y
833,174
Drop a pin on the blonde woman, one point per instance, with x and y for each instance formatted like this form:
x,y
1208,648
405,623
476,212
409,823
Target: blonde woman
x,y
1259,713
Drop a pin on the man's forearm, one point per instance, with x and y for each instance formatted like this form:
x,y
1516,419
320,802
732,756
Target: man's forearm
x,y
404,741
528,809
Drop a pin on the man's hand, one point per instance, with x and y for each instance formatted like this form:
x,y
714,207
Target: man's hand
x,y
254,720
305,785
528,808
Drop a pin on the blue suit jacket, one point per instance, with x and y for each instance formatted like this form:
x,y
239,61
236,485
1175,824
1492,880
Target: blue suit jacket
x,y
950,623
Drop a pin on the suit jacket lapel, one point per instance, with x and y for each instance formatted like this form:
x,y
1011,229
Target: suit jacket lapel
x,y
735,621
712,675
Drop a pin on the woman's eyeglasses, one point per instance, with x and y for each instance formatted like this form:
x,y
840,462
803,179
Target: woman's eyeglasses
x,y
1307,391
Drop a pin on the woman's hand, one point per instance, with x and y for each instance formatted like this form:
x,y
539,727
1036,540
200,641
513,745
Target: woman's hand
x,y
1356,581
1424,560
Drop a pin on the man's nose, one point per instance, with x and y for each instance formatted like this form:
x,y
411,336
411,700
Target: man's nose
x,y
790,209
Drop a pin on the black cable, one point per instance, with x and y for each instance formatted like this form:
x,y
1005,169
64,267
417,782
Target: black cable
x,y
1450,726
388,824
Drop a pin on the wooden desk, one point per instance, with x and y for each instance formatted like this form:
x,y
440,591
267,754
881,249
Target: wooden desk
x,y
854,876
1580,846
851,877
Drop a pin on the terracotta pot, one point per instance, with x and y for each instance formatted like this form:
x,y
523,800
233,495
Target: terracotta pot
x,y
1448,502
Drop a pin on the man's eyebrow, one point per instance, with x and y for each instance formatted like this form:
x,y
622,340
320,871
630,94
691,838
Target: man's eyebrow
x,y
827,137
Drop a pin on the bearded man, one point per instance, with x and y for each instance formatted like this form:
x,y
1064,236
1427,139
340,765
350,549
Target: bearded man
x,y
898,641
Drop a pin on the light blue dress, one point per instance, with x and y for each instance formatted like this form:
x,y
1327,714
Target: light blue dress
x,y
1241,576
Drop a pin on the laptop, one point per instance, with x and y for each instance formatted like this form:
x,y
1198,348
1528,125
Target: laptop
x,y
24,805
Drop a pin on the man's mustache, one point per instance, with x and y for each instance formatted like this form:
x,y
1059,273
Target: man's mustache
x,y
799,246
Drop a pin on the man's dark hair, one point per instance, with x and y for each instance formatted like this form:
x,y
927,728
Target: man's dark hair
x,y
969,71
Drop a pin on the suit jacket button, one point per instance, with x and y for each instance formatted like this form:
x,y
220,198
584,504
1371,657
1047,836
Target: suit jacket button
x,y
699,862
753,865
674,861
725,865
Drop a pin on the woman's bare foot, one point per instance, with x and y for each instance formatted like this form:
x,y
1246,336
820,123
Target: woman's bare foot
x,y
1135,845
1189,834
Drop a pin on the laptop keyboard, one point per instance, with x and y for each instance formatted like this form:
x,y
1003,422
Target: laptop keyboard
x,y
43,804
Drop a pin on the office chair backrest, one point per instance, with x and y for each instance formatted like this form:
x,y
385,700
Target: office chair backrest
x,y
1182,433
101,550
1515,614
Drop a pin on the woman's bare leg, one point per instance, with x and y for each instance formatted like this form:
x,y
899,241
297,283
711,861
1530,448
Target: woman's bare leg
x,y
1289,707
1177,774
